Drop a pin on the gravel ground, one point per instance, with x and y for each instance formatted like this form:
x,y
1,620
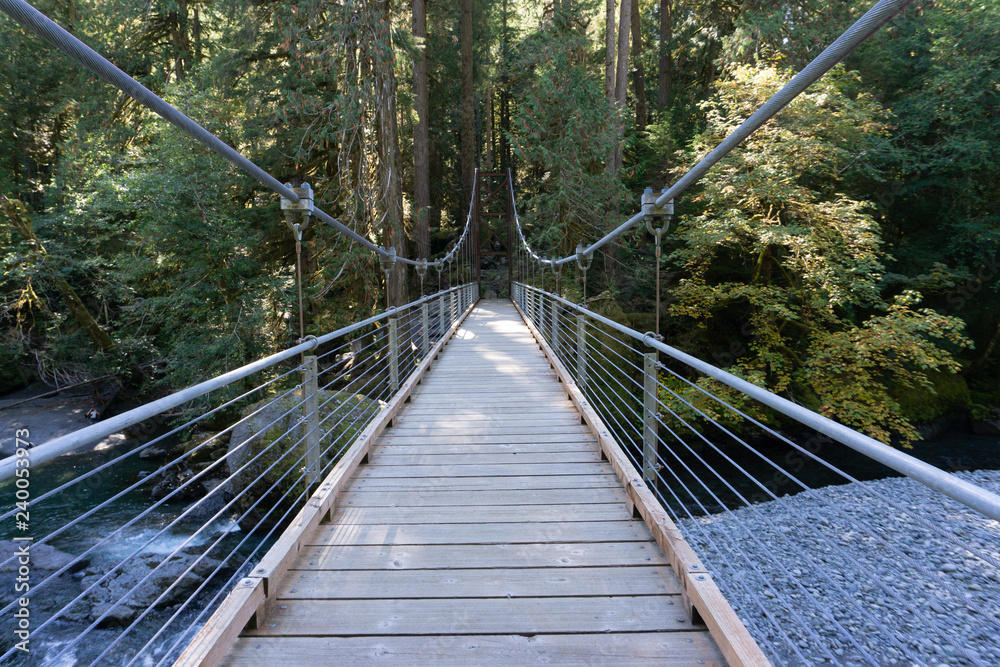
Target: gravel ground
x,y
893,575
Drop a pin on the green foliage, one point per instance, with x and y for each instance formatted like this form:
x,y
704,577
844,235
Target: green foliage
x,y
563,130
798,263
781,245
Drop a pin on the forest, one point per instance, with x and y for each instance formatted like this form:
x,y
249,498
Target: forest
x,y
845,256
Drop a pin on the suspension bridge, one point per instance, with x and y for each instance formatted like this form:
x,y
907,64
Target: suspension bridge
x,y
483,481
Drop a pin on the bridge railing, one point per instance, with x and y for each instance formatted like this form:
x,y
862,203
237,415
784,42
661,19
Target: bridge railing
x,y
861,572
134,541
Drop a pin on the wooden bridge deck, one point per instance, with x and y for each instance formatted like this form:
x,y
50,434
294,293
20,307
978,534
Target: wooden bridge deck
x,y
484,529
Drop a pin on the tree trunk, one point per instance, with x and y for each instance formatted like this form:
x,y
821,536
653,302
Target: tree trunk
x,y
467,134
639,78
389,179
621,82
421,141
488,159
609,51
505,161
666,57
179,37
18,215
621,74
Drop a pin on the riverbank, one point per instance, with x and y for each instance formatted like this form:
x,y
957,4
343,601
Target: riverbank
x,y
45,418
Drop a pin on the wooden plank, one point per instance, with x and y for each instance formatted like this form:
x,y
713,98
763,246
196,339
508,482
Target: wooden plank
x,y
735,642
212,642
486,556
483,412
392,459
476,615
482,392
399,447
497,470
513,427
479,583
508,368
496,514
574,496
534,439
473,484
487,533
453,419
463,402
625,649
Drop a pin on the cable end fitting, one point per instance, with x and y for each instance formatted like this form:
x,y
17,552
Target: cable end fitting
x,y
653,213
308,339
388,260
651,335
305,202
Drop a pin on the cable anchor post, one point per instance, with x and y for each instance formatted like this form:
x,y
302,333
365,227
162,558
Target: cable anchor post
x,y
388,261
584,259
652,213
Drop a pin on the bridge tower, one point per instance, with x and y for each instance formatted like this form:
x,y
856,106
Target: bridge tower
x,y
493,227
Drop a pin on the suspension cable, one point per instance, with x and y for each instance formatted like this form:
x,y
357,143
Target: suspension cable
x,y
881,13
42,26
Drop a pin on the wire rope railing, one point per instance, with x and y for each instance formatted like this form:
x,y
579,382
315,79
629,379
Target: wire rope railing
x,y
133,545
818,576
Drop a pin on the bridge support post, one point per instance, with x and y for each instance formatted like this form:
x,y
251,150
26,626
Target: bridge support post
x,y
650,465
554,324
425,331
310,388
393,355
581,353
442,301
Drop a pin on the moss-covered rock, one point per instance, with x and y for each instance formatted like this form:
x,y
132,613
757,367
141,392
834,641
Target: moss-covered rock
x,y
921,405
266,453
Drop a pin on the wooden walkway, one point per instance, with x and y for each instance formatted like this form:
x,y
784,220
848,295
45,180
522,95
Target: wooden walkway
x,y
484,529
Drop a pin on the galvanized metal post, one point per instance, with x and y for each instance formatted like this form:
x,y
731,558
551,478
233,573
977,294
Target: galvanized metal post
x,y
554,325
441,305
650,466
425,331
393,355
581,353
310,387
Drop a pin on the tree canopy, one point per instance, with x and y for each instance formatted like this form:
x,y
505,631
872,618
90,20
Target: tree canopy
x,y
844,256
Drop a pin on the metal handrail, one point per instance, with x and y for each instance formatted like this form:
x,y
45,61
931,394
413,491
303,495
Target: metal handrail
x,y
96,432
968,494
288,465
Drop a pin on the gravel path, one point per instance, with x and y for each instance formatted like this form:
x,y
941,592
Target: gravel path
x,y
862,575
